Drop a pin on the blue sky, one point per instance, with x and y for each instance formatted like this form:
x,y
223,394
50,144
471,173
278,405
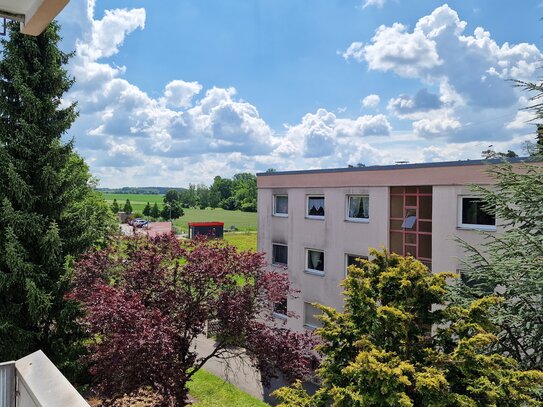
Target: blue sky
x,y
173,92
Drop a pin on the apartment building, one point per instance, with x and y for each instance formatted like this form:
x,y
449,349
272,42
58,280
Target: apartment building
x,y
315,223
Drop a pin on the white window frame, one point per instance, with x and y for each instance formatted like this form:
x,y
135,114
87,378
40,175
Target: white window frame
x,y
306,325
279,214
347,260
314,271
347,205
307,215
275,263
470,226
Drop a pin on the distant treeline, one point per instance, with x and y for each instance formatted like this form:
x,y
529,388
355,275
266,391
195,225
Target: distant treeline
x,y
237,193
139,190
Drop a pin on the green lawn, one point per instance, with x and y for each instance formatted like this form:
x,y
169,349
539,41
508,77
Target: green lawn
x,y
241,220
211,391
242,240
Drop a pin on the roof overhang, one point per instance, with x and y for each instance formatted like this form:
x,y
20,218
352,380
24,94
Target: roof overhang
x,y
34,15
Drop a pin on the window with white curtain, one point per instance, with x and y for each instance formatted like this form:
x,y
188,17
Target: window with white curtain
x,y
315,261
358,207
315,206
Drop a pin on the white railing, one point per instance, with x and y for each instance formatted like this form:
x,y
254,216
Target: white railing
x,y
34,381
7,384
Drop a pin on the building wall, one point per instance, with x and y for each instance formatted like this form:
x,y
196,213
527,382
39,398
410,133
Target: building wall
x,y
338,236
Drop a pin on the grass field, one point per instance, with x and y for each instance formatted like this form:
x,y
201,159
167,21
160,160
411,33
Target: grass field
x,y
241,220
242,240
211,391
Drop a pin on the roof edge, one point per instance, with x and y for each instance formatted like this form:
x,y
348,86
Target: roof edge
x,y
459,163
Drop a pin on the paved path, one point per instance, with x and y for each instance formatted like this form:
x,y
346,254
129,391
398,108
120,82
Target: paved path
x,y
236,370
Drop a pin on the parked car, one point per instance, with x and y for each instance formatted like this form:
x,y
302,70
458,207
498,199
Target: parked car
x,y
139,223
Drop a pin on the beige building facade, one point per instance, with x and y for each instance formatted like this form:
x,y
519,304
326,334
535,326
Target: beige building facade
x,y
314,223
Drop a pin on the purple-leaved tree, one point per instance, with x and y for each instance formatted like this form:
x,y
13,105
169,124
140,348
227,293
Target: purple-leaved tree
x,y
148,300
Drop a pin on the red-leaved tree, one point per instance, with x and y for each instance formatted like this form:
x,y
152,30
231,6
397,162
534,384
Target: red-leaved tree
x,y
147,301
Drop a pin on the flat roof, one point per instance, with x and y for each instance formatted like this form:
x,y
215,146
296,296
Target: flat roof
x,y
460,163
449,173
206,224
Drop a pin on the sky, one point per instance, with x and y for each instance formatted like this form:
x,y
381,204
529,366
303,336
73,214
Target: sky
x,y
173,92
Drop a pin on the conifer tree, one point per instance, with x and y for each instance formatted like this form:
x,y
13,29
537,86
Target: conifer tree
x,y
115,207
398,343
155,212
147,210
48,206
127,207
510,264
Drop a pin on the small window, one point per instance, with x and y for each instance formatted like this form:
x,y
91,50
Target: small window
x,y
310,316
315,261
358,207
352,260
280,308
280,205
279,254
473,215
315,206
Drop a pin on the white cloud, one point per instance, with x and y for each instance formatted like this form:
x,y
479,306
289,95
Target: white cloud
x,y
422,101
371,101
322,134
179,94
436,127
186,133
470,72
376,3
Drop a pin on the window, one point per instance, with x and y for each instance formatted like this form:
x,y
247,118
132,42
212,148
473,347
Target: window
x,y
358,207
280,205
351,260
315,206
279,254
310,316
473,215
315,262
280,308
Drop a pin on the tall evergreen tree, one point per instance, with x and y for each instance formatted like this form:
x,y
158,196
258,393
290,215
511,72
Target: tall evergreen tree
x,y
147,209
115,206
155,212
48,207
127,207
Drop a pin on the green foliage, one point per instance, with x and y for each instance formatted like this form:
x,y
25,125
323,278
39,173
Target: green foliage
x,y
127,208
115,207
147,210
172,196
188,197
155,213
492,154
172,210
511,260
398,343
49,209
